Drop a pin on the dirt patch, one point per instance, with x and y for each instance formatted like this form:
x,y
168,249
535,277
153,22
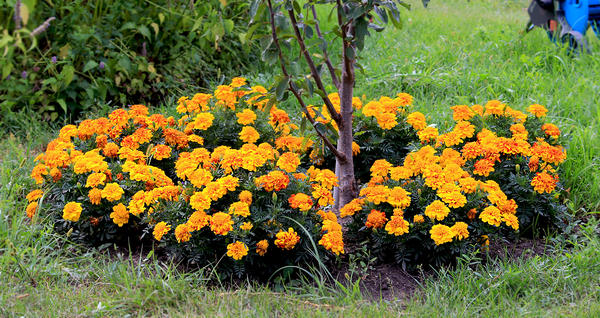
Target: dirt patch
x,y
520,248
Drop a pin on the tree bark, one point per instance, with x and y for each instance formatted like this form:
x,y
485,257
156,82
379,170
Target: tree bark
x,y
345,169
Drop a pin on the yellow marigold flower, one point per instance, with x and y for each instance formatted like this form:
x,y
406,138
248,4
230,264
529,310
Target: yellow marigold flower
x,y
200,201
237,250
551,130
450,194
418,218
112,192
386,120
441,234
428,134
221,223
72,211
240,208
397,225
182,233
333,241
34,195
95,196
31,209
537,110
376,219
380,168
491,215
287,240
351,207
511,220
544,182
249,134
437,210
355,148
376,193
202,121
195,138
462,112
120,215
288,161
246,117
478,109
326,178
261,247
300,201
160,229
245,196
246,226
197,220
399,198
416,120
459,229
400,173
95,179
494,107
238,82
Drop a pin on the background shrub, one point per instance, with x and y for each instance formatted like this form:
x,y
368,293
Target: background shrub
x,y
115,52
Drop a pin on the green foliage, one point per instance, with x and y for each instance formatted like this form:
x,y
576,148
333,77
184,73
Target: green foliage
x,y
115,52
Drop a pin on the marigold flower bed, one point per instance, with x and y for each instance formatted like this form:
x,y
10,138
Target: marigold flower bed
x,y
234,182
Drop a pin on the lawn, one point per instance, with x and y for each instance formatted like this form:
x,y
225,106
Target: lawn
x,y
454,52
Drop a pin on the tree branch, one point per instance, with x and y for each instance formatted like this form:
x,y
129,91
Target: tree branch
x,y
326,141
313,69
330,67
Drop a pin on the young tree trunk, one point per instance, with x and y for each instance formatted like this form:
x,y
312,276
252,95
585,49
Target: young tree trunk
x,y
344,169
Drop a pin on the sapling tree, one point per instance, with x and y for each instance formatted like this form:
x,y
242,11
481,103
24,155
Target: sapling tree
x,y
298,43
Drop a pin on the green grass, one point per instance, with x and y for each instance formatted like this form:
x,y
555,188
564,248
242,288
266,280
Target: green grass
x,y
455,52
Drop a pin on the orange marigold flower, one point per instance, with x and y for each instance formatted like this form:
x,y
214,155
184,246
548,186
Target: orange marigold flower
x,y
418,218
288,161
120,215
441,234
273,181
355,148
182,233
399,198
386,120
494,107
351,207
238,82
459,229
537,110
437,210
462,112
197,220
417,120
112,192
472,214
249,134
478,109
34,195
428,134
110,150
245,196
300,201
261,247
287,240
237,250
511,220
221,223
404,99
491,215
240,208
483,167
544,182
72,211
333,241
161,152
95,195
31,209
160,229
246,117
95,179
551,130
397,225
376,219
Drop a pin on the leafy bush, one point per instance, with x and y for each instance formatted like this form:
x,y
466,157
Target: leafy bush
x,y
494,173
115,52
